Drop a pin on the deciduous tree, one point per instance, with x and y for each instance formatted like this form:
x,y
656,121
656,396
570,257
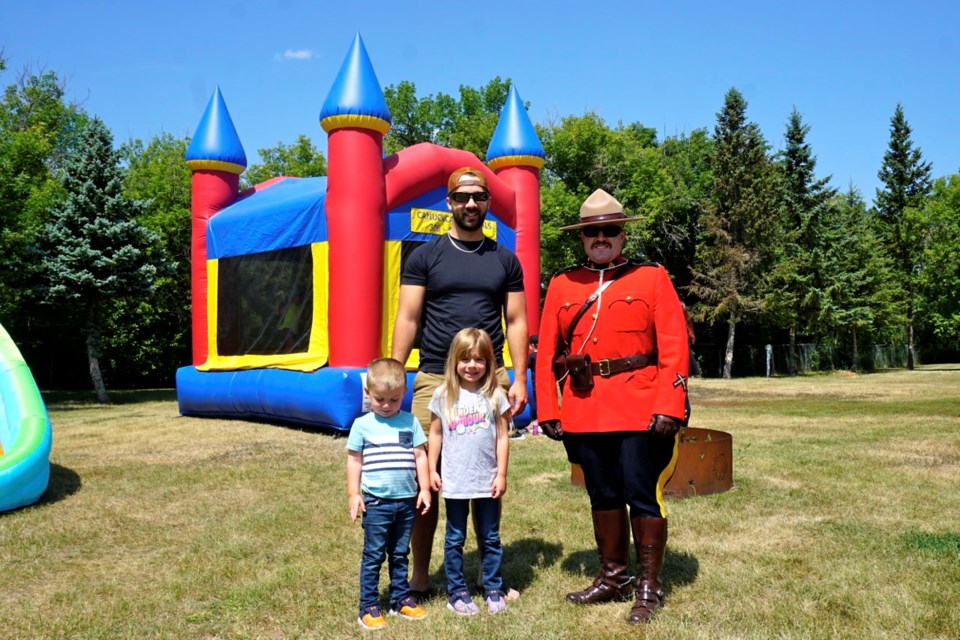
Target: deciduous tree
x,y
584,154
674,232
300,160
145,353
38,128
938,306
467,122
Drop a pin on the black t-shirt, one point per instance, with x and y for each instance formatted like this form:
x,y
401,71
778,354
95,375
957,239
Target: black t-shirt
x,y
463,289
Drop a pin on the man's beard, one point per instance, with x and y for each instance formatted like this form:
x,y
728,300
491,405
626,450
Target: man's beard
x,y
463,226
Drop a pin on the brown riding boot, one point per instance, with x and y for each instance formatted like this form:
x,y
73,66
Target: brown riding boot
x,y
650,540
613,544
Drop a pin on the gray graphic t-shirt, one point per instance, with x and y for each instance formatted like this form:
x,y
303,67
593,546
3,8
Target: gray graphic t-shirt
x,y
469,448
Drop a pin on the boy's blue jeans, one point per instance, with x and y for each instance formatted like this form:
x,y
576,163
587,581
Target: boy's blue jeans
x,y
386,534
487,515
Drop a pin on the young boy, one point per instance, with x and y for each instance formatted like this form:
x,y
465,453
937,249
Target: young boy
x,y
387,480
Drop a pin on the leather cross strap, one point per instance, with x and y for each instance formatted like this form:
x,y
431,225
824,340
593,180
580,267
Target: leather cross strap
x,y
589,301
608,367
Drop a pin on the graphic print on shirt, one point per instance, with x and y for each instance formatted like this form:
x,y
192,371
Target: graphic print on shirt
x,y
470,418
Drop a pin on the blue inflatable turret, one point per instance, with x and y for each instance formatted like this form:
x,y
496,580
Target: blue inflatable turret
x,y
515,141
216,144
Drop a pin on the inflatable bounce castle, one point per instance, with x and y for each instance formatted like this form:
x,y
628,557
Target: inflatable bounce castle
x,y
295,281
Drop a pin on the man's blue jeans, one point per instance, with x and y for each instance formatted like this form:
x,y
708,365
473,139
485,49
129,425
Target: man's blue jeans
x,y
386,534
487,515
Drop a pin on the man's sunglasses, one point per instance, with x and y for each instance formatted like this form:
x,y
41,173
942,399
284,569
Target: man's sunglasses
x,y
463,197
609,231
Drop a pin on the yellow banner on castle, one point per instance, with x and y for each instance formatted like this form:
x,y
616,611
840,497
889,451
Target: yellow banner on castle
x,y
438,223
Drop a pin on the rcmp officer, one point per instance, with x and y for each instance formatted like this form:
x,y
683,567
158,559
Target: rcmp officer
x,y
611,383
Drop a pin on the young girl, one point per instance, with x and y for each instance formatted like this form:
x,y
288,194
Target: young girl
x,y
469,426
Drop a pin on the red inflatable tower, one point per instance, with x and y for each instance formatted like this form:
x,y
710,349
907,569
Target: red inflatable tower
x,y
356,118
516,156
216,159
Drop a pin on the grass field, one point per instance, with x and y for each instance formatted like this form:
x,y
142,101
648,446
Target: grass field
x,y
844,522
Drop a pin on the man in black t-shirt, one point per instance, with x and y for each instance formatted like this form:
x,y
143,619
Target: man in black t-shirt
x,y
462,279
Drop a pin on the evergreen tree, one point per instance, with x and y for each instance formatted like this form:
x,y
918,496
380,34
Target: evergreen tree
x,y
740,228
94,251
861,295
801,280
906,185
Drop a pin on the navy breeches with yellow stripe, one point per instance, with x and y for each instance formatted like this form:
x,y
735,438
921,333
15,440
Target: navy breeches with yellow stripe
x,y
625,468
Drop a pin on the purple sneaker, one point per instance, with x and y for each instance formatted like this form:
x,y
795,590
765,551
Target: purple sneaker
x,y
461,603
496,602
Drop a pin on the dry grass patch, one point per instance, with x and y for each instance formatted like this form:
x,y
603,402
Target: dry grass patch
x,y
842,524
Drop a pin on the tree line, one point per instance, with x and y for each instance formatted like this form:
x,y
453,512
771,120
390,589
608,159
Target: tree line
x,y
95,235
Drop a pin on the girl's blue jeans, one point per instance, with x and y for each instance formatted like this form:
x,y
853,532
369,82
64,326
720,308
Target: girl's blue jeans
x,y
386,534
487,516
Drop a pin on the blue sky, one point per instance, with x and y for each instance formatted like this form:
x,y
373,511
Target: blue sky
x,y
151,67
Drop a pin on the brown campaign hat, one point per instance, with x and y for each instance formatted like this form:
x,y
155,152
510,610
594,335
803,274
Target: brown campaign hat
x,y
600,208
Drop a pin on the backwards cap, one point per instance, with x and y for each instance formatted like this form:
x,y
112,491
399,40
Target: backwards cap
x,y
466,176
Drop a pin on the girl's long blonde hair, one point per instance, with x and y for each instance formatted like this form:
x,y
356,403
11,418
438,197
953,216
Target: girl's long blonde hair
x,y
467,341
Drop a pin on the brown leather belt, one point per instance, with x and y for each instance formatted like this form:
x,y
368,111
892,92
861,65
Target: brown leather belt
x,y
610,366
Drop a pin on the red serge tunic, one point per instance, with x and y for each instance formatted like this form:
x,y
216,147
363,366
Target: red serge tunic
x,y
638,313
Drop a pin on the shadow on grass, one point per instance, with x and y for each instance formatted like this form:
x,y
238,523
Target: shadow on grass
x,y
278,422
63,484
67,400
679,568
522,559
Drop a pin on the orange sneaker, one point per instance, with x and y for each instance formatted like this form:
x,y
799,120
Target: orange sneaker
x,y
371,618
409,609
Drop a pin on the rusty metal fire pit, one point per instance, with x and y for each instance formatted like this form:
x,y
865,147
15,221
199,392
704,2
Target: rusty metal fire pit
x,y
704,466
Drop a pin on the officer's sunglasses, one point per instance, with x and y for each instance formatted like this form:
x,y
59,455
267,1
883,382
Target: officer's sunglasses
x,y
463,197
609,231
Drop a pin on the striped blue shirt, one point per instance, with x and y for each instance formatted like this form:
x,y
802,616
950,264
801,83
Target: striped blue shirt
x,y
389,468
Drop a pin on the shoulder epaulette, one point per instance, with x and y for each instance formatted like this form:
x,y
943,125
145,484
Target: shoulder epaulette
x,y
643,263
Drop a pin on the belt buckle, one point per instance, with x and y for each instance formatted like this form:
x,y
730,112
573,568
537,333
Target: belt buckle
x,y
604,367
